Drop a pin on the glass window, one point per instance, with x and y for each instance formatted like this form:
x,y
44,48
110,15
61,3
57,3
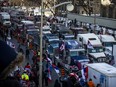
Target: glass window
x,y
30,27
108,44
6,19
74,53
95,50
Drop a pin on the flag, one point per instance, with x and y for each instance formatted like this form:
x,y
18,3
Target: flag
x,y
49,75
57,70
62,47
84,72
89,45
49,60
75,75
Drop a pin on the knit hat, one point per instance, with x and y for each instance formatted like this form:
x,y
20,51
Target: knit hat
x,y
8,59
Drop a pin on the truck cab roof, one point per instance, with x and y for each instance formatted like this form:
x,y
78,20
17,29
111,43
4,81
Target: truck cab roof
x,y
27,22
103,68
106,38
91,37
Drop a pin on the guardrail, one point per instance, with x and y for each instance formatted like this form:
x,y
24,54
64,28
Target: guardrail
x,y
101,21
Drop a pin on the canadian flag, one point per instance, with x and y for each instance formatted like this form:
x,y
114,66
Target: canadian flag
x,y
62,47
84,72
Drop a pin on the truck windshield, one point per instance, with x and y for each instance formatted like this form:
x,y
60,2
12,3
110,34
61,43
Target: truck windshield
x,y
31,26
95,50
46,29
54,42
6,19
108,44
77,53
69,38
74,53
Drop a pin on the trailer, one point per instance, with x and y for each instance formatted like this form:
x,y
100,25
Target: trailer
x,y
102,73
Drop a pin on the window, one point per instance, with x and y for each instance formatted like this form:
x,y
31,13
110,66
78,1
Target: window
x,y
74,53
92,38
95,50
108,44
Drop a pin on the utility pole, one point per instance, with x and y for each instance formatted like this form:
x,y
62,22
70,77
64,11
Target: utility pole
x,y
41,35
41,49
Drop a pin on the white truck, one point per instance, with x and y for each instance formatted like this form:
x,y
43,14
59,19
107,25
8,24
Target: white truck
x,y
46,29
93,45
5,18
107,42
102,73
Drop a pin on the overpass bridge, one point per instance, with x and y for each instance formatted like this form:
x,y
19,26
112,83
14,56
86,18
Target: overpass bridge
x,y
101,21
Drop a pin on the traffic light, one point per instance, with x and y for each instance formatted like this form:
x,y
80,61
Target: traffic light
x,y
62,72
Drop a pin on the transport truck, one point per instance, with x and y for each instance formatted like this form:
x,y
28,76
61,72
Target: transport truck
x,y
93,46
102,73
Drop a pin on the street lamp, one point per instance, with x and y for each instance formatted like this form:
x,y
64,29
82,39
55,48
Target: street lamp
x,y
105,2
69,8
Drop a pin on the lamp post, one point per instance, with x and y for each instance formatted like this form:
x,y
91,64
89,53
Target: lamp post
x,y
69,8
41,47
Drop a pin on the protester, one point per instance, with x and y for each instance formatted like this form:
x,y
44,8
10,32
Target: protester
x,y
28,68
27,53
57,83
82,82
34,77
45,77
91,83
98,85
25,78
11,33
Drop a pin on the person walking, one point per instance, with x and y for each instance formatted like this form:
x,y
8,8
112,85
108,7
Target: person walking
x,y
11,33
57,83
45,77
98,85
91,83
27,53
25,78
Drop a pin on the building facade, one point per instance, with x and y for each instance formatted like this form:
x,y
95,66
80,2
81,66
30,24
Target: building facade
x,y
109,11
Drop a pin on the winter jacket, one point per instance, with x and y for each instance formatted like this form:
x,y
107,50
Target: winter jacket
x,y
91,84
